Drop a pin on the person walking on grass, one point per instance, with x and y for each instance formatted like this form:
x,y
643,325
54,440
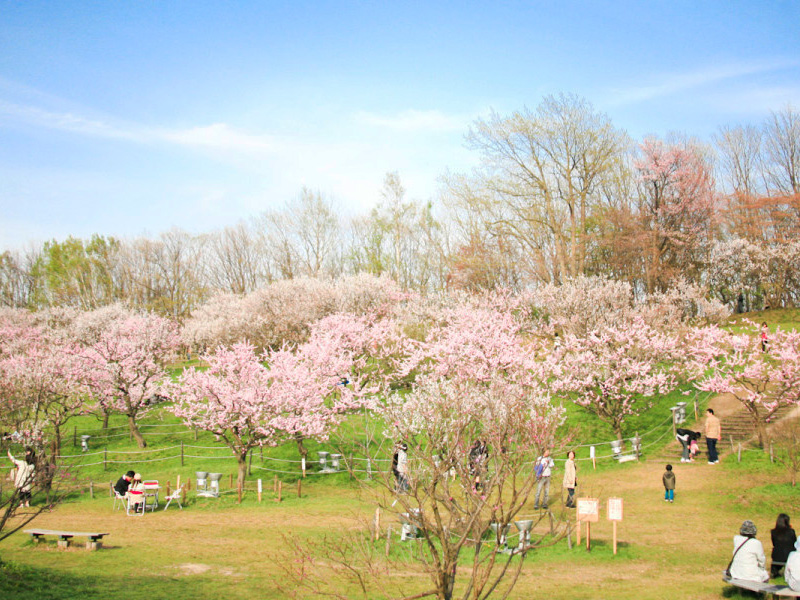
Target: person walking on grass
x,y
713,431
544,470
668,479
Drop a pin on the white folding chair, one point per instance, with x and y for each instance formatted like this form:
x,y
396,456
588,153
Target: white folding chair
x,y
176,495
119,499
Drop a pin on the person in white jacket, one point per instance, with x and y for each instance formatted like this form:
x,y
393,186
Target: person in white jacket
x,y
23,479
749,561
792,571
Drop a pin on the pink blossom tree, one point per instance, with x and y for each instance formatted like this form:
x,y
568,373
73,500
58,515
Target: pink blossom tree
x,y
763,381
677,210
251,400
124,365
475,378
612,372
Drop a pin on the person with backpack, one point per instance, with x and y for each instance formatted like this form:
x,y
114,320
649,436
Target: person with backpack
x,y
543,469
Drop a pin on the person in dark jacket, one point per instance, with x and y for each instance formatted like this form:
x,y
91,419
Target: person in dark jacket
x,y
668,479
123,483
783,540
685,437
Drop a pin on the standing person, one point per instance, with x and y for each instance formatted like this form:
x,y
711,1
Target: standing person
x,y
713,434
543,469
570,478
783,541
748,562
764,338
668,479
402,468
24,477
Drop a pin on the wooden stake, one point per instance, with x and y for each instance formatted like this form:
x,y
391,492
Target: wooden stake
x,y
588,535
388,539
178,484
91,490
739,453
280,490
181,454
168,488
230,481
771,455
299,487
303,465
259,491
614,535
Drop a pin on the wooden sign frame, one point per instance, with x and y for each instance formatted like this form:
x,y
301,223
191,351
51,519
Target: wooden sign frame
x,y
588,510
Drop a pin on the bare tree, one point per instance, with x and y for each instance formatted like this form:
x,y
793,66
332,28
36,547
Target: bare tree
x,y
782,146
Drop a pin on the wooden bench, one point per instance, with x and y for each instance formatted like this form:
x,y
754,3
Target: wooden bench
x,y
93,540
783,591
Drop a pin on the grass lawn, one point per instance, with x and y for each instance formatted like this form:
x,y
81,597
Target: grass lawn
x,y
216,548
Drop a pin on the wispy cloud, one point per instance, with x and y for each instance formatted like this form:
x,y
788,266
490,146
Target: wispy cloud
x,y
416,120
217,136
672,83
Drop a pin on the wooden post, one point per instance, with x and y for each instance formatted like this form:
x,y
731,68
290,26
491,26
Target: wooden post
x,y
250,463
261,451
588,535
350,467
550,514
377,523
299,488
695,407
195,434
230,481
731,438
168,490
178,484
189,484
91,489
280,490
105,459
182,455
614,534
260,490
303,465
110,490
771,454
578,532
388,539
639,445
75,436
275,485
739,453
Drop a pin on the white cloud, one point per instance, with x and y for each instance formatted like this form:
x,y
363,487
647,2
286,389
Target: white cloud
x,y
668,84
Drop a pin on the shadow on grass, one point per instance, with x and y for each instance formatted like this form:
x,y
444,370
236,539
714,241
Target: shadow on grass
x,y
22,582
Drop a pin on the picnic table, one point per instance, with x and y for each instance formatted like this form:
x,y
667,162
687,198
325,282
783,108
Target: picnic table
x,y
94,540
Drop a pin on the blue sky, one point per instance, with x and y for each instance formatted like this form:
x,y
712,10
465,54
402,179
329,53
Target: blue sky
x,y
132,118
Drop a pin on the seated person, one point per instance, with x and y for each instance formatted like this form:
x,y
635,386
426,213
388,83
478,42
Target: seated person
x,y
749,562
792,570
136,491
783,540
123,483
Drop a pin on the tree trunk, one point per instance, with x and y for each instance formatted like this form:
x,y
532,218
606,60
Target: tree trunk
x,y
135,432
56,442
106,414
242,459
300,447
763,438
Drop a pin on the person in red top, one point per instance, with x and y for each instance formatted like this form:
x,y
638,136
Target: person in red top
x,y
764,338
